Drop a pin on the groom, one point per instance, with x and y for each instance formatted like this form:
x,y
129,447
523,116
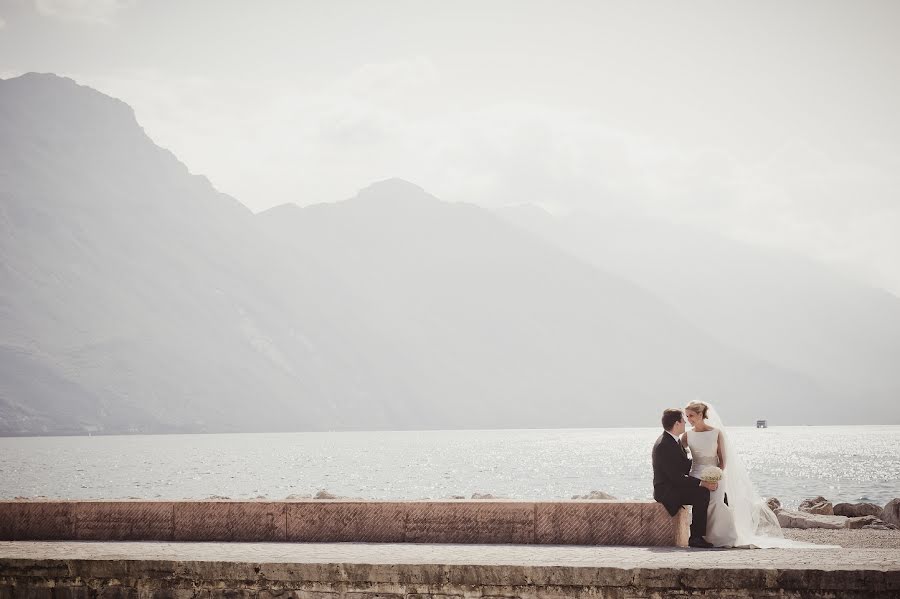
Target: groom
x,y
672,486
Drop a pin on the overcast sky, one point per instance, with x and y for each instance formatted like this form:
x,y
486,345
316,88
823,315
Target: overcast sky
x,y
775,122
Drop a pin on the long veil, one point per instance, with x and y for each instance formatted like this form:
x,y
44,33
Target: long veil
x,y
756,524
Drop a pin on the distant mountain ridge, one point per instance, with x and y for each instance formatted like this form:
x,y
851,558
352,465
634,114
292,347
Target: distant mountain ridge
x,y
134,297
767,303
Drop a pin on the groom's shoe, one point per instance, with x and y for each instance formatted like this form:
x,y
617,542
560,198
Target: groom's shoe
x,y
700,543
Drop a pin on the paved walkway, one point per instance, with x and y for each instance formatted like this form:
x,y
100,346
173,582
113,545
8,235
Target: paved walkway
x,y
486,555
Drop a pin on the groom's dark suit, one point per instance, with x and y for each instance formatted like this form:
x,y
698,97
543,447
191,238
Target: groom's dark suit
x,y
673,487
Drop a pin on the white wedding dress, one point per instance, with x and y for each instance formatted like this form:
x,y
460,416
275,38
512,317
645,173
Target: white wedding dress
x,y
746,521
720,527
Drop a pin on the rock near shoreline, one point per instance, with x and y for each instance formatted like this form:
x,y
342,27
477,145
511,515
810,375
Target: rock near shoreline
x,y
816,505
818,512
891,513
594,495
855,510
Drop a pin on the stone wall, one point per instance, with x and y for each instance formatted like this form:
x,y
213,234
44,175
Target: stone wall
x,y
167,579
584,522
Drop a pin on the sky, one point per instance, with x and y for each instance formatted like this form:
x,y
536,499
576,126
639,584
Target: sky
x,y
773,122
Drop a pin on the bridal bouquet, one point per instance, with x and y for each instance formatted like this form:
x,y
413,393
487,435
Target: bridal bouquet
x,y
712,474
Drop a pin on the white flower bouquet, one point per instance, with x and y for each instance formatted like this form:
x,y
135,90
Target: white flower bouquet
x,y
711,474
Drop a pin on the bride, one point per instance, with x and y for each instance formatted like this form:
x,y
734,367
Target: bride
x,y
737,516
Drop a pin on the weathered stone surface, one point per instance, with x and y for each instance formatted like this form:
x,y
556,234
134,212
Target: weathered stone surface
x,y
375,571
229,521
258,521
587,524
117,592
361,522
816,505
202,521
38,520
855,510
773,503
475,522
609,523
792,519
124,521
32,592
643,523
891,513
72,592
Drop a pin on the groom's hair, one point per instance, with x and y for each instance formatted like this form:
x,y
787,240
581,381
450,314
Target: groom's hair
x,y
670,417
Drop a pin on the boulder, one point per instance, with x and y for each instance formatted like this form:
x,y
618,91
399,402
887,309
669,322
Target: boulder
x,y
792,519
863,522
594,495
773,504
891,513
482,496
323,494
855,510
817,505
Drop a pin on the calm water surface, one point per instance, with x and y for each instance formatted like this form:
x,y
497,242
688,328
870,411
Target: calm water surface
x,y
841,463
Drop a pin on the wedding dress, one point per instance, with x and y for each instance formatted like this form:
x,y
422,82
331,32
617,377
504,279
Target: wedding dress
x,y
720,527
746,521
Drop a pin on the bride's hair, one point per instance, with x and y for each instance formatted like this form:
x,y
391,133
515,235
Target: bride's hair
x,y
698,407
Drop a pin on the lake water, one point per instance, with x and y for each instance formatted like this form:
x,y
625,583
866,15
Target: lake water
x,y
846,463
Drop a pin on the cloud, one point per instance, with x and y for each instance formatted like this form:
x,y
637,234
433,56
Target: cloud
x,y
87,11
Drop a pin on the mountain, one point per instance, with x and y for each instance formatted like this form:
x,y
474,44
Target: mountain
x,y
135,297
768,303
507,330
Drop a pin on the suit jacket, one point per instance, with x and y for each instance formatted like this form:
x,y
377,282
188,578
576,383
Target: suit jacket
x,y
670,473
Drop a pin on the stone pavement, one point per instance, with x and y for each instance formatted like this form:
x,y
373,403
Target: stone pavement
x,y
490,555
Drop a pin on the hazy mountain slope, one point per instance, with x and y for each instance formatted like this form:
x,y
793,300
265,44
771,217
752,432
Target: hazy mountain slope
x,y
772,304
133,280
508,329
133,296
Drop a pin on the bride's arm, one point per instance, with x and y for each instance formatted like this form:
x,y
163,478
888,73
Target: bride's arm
x,y
684,439
720,451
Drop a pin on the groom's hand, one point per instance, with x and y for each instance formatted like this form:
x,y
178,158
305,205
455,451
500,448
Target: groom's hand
x,y
708,485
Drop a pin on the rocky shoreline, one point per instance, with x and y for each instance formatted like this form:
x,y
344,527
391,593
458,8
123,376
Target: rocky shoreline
x,y
856,525
818,512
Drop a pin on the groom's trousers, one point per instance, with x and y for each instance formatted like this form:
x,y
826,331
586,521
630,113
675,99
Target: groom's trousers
x,y
698,499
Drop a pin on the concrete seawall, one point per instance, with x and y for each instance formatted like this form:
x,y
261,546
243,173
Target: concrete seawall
x,y
585,522
94,570
401,550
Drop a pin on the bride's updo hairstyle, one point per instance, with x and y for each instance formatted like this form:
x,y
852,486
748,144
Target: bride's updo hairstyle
x,y
698,407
